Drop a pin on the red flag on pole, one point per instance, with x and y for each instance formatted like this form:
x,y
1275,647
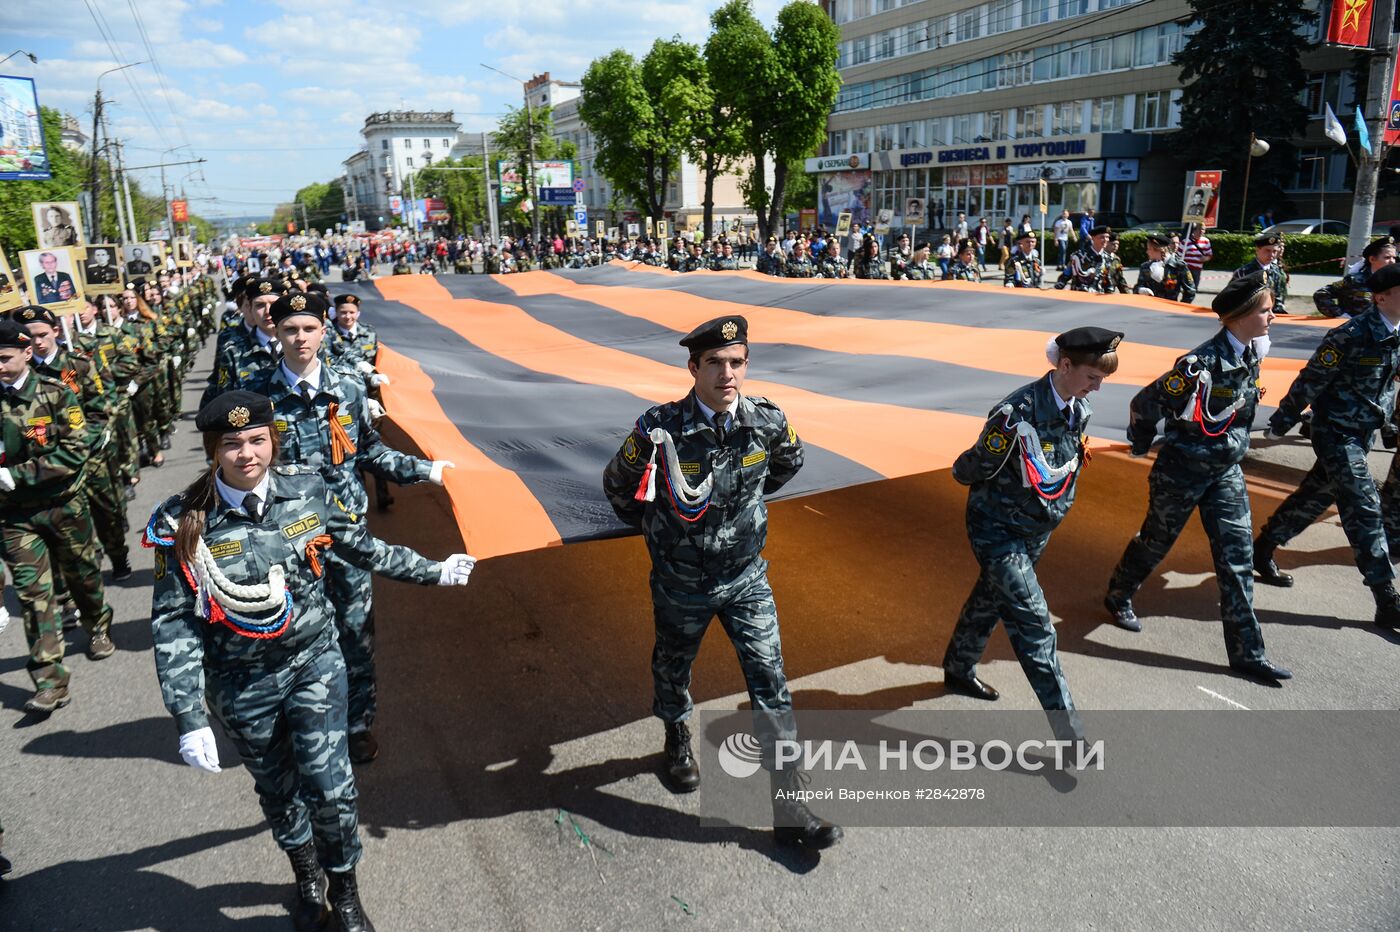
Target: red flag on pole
x,y
1392,110
1350,23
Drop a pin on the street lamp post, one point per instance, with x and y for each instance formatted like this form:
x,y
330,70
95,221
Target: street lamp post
x,y
1257,147
530,190
95,178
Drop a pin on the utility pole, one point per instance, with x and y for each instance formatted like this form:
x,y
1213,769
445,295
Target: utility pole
x,y
95,185
126,191
490,193
1368,169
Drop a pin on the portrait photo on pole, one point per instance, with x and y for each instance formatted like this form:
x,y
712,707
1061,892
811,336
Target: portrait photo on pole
x,y
184,252
141,259
53,278
102,272
10,297
57,223
1197,205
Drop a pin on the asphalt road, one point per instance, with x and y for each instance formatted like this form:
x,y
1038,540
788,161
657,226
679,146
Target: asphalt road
x,y
529,692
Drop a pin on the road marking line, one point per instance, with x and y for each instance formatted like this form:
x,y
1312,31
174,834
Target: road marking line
x,y
813,510
1225,699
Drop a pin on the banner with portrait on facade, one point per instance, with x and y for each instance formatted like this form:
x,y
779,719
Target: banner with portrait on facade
x,y
844,192
102,270
54,279
57,224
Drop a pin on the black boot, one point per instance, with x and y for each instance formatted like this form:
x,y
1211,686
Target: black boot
x,y
794,825
363,747
682,772
345,903
1387,606
121,568
1266,569
310,914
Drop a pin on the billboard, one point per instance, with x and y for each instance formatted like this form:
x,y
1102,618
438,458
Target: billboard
x,y
842,192
547,175
22,153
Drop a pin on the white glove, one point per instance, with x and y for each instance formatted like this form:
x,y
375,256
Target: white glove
x,y
189,331
230,305
435,475
376,410
132,388
175,361
456,570
364,367
198,750
7,481
377,380
1146,291
1157,270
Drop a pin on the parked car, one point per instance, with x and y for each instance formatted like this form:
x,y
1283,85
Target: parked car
x,y
1326,227
1114,219
1383,227
1157,226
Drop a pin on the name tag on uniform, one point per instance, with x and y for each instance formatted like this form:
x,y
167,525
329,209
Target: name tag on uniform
x,y
344,418
367,347
690,469
280,424
41,419
1047,447
297,528
1221,392
754,458
229,548
1369,361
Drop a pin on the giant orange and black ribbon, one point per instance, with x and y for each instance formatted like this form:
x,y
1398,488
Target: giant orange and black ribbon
x,y
340,440
314,547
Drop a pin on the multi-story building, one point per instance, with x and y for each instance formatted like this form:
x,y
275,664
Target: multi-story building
x,y
397,144
968,104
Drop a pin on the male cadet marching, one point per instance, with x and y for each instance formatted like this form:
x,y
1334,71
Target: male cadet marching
x,y
106,504
1023,472
1164,274
1023,268
725,261
44,520
1208,399
1088,268
1351,295
720,452
771,260
248,348
1350,384
323,422
1268,249
354,344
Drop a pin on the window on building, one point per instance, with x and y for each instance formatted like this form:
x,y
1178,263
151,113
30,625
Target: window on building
x,y
911,135
1030,121
384,144
1016,69
964,128
1153,110
887,191
1068,8
1034,12
408,143
836,142
886,43
1001,17
447,143
427,143
1308,173
935,132
1066,118
1105,114
860,140
994,124
408,160
1323,88
885,136
969,24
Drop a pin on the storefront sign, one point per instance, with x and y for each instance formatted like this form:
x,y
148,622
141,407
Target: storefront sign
x,y
1120,170
1082,147
839,163
1056,171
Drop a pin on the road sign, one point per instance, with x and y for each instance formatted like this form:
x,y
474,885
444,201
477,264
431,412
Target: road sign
x,y
557,197
578,185
1044,197
581,217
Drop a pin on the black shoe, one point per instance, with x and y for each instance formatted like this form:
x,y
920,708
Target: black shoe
x,y
682,771
345,903
363,747
121,569
1387,606
1267,570
48,700
794,825
1262,669
382,502
310,914
1123,614
131,493
165,442
970,685
5,865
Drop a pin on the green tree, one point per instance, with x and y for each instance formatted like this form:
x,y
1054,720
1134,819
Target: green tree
x,y
712,141
1242,76
518,131
464,192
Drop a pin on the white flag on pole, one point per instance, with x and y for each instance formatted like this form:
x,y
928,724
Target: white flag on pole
x,y
1332,127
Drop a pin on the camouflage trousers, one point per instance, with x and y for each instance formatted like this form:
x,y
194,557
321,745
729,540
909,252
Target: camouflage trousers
x,y
147,417
127,454
351,591
1008,590
106,504
34,544
288,724
1340,476
746,610
1175,491
175,384
1390,507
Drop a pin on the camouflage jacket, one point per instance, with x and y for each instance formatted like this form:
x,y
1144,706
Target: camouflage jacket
x,y
1189,443
870,268
1278,280
724,264
798,267
1089,271
999,502
899,260
238,361
1114,277
693,264
771,264
1350,380
1176,283
957,272
363,346
306,434
45,437
114,353
1346,298
758,455
80,375
299,509
921,271
1022,271
832,267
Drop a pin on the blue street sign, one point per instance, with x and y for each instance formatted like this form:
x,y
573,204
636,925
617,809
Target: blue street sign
x,y
581,217
557,197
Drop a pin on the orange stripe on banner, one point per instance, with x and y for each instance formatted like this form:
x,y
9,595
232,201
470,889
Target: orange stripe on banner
x,y
484,494
888,439
1017,352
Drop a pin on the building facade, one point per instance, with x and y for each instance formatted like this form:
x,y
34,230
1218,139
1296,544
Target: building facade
x,y
397,144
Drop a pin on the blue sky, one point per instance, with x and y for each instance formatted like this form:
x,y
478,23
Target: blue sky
x,y
273,94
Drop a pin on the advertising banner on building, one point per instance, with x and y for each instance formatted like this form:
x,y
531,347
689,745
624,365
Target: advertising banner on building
x,y
1350,23
844,192
1392,110
22,153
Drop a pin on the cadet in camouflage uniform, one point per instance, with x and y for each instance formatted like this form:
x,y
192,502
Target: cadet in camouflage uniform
x,y
248,348
800,264
44,522
918,268
1208,399
771,261
725,261
1022,269
106,505
1165,274
1023,473
1350,384
1390,491
900,255
1088,269
1352,295
694,261
1113,273
1268,252
691,477
266,663
323,422
117,357
830,264
868,262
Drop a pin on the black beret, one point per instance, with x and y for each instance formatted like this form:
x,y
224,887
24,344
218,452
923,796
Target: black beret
x,y
235,288
1268,239
346,299
1238,292
712,334
318,287
1384,278
33,314
1159,239
235,410
966,244
1099,230
923,244
1089,340
1113,237
1374,248
12,335
296,303
261,287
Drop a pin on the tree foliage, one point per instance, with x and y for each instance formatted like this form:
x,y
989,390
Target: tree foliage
x,y
517,132
464,192
1241,76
